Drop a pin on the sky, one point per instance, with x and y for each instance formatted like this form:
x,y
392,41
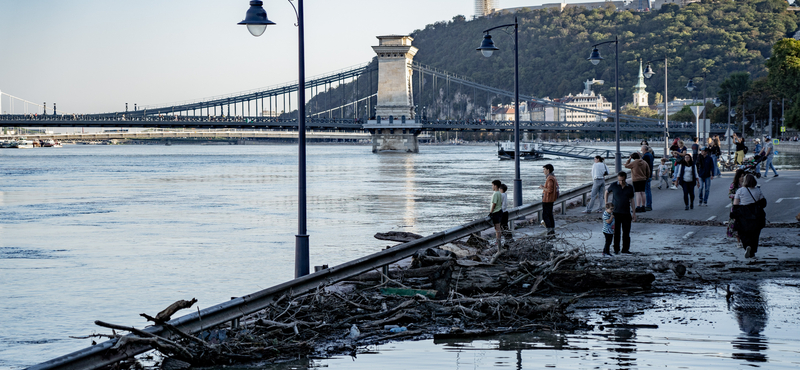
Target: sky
x,y
92,56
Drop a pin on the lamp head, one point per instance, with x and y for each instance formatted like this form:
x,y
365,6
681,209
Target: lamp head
x,y
595,57
648,72
690,85
487,46
256,18
717,102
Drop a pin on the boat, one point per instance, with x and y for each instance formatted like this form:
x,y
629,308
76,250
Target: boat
x,y
50,143
22,143
527,151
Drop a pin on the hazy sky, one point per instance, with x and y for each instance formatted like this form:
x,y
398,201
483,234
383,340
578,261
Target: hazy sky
x,y
94,56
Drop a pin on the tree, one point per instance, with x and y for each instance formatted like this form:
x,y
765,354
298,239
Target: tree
x,y
736,84
684,115
784,68
638,111
659,98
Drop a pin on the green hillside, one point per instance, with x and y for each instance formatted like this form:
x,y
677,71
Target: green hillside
x,y
713,37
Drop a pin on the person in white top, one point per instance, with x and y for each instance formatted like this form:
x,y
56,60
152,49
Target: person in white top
x,y
599,173
663,173
747,202
686,175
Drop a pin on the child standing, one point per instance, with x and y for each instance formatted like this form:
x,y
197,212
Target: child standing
x,y
504,219
608,228
663,173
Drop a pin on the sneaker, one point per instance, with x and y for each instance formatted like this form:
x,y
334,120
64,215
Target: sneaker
x,y
687,208
776,175
542,223
599,211
626,252
586,211
648,209
673,187
659,187
748,253
607,255
691,206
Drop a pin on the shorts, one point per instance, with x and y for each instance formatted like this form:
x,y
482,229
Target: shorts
x,y
496,217
638,186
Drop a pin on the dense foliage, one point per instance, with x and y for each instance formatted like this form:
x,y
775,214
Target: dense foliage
x,y
714,37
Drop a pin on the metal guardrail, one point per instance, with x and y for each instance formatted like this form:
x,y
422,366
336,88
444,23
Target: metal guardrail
x,y
101,354
579,152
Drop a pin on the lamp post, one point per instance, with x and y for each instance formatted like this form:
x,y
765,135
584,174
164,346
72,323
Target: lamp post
x,y
487,48
257,22
691,86
648,72
595,58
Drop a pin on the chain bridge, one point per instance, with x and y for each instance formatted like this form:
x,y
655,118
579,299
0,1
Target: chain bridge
x,y
393,98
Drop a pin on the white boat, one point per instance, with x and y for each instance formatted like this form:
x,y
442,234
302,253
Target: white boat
x,y
24,144
50,143
527,151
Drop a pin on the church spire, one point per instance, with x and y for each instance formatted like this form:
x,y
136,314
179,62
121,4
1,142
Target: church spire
x,y
639,92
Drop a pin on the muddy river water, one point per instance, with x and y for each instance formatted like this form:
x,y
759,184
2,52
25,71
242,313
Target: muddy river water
x,y
107,232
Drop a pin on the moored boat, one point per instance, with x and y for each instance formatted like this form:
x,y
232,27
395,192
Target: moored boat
x,y
527,151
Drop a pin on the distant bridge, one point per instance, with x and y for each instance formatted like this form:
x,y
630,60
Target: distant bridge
x,y
215,134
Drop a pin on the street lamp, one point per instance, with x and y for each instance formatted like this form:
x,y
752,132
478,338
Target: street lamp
x,y
257,22
648,72
691,86
487,48
595,58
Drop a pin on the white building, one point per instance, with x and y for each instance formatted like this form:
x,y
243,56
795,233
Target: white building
x,y
586,99
639,93
485,7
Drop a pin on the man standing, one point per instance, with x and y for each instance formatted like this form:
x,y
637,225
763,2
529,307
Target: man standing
x,y
496,210
599,172
622,195
769,151
639,174
648,157
705,170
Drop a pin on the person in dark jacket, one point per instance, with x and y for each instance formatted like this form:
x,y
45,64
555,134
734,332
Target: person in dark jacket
x,y
705,170
648,157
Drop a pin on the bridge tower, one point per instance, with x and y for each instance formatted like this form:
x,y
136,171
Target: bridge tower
x,y
394,127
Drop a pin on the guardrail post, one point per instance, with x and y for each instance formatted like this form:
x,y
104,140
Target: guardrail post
x,y
583,202
234,322
564,207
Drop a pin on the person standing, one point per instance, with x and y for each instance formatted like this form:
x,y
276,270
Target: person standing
x,y
738,180
663,173
686,176
496,210
769,151
639,171
648,157
549,196
599,173
748,205
695,148
504,219
705,171
608,228
716,153
740,149
622,194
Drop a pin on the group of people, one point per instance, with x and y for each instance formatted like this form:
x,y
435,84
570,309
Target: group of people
x,y
764,152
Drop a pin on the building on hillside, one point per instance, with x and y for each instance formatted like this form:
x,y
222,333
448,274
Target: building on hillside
x,y
485,7
639,92
586,99
675,105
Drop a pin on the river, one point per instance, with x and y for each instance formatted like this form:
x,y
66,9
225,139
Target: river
x,y
107,232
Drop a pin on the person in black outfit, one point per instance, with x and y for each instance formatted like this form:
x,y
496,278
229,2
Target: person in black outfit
x,y
622,194
686,175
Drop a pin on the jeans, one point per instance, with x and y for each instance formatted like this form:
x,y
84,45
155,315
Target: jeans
x,y
622,221
607,246
665,179
768,166
598,188
547,215
705,186
648,195
688,192
716,166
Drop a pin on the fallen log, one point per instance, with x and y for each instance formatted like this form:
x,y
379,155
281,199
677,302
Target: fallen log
x,y
581,281
397,236
397,274
167,313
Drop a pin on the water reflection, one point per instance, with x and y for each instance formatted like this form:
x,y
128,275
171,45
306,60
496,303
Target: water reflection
x,y
750,310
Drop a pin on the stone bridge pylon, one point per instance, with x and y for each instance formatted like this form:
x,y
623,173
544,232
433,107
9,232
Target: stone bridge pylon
x,y
394,127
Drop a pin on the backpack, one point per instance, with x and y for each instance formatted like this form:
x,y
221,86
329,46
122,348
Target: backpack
x,y
745,149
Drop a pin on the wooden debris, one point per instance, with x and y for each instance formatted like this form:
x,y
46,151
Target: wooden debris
x,y
397,236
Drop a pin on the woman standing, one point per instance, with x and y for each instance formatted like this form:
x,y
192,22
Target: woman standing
x,y
740,147
738,179
716,152
749,205
549,195
686,176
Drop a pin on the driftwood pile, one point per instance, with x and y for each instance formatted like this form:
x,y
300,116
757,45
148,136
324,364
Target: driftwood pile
x,y
449,292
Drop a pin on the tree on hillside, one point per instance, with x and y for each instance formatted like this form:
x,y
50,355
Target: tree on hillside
x,y
638,111
784,77
736,84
